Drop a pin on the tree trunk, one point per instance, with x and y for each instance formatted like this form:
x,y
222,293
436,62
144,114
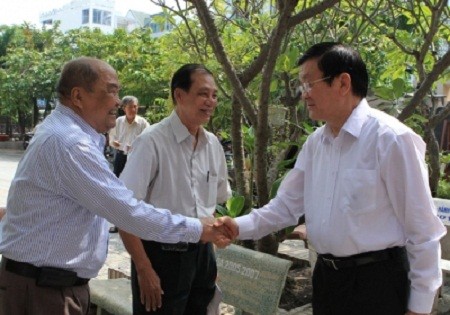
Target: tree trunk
x,y
35,113
22,121
434,163
268,244
238,153
8,130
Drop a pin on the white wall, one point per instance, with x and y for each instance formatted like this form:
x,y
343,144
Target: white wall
x,y
70,15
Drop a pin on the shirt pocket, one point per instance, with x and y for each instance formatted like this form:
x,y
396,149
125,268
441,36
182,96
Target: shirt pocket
x,y
359,191
212,190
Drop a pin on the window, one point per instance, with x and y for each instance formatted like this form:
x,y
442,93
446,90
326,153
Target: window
x,y
159,28
101,17
85,16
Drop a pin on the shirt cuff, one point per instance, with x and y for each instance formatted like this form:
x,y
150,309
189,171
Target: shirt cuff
x,y
194,230
245,224
420,302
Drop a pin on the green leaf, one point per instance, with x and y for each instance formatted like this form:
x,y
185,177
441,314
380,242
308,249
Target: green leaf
x,y
273,85
399,88
221,210
275,186
235,205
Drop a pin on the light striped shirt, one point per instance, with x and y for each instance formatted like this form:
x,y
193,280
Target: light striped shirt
x,y
61,193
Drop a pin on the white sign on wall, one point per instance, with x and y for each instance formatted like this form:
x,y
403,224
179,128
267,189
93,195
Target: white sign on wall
x,y
443,210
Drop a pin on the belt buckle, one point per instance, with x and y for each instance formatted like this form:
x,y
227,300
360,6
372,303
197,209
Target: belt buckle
x,y
330,261
177,247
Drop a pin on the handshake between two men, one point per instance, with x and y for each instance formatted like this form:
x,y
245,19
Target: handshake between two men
x,y
220,231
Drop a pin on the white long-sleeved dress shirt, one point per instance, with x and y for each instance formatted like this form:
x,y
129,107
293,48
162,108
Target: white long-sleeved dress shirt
x,y
165,170
126,133
364,190
61,193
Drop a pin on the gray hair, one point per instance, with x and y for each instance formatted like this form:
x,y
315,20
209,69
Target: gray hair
x,y
126,100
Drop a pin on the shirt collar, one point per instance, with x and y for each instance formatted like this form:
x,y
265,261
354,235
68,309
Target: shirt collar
x,y
353,124
133,122
357,118
96,137
181,132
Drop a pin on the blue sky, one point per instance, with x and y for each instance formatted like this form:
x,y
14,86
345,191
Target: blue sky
x,y
18,11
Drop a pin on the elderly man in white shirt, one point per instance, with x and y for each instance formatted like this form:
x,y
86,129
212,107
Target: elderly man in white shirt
x,y
127,128
178,164
122,136
362,182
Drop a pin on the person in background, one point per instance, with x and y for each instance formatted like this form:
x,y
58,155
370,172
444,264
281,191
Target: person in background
x,y
177,164
121,137
55,233
362,182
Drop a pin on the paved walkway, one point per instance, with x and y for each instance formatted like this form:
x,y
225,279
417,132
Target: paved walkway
x,y
8,165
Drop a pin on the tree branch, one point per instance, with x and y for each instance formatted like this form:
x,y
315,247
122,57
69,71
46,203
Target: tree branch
x,y
310,12
214,39
425,86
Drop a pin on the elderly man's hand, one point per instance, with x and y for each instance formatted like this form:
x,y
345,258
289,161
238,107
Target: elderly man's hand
x,y
230,225
217,232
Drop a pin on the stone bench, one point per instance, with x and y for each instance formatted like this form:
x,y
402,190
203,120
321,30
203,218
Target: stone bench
x,y
112,296
250,281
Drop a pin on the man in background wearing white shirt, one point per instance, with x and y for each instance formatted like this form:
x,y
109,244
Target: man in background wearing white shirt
x,y
362,182
121,137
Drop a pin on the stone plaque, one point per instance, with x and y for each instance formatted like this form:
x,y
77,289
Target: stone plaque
x,y
251,281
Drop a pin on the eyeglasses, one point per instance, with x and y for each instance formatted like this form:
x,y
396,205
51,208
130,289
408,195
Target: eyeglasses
x,y
306,87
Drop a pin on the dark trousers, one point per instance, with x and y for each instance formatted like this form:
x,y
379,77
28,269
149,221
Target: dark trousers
x,y
120,160
373,289
187,279
21,295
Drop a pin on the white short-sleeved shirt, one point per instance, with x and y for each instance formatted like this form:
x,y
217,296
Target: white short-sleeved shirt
x,y
164,169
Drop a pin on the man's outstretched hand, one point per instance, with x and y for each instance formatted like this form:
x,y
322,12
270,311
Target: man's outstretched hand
x,y
219,231
230,225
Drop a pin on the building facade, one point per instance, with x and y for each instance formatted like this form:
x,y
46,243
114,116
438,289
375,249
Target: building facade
x,y
83,13
101,14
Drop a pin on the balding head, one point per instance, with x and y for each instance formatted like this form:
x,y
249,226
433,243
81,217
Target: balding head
x,y
90,88
81,72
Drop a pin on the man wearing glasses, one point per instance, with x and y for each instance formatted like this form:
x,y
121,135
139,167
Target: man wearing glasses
x,y
361,180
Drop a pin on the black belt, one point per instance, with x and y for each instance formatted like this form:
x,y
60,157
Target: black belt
x,y
58,277
361,259
178,247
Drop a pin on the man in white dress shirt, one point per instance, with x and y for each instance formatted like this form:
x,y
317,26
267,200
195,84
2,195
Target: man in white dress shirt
x,y
127,128
122,136
362,182
176,163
